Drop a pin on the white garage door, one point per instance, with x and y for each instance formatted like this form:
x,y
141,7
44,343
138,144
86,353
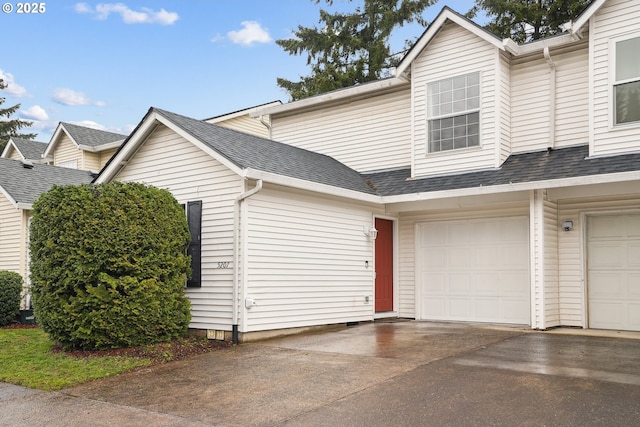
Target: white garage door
x,y
474,270
613,262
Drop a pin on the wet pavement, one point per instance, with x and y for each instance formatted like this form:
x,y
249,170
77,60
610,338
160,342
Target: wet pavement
x,y
374,374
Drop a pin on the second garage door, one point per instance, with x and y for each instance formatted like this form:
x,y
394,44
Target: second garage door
x,y
613,260
474,270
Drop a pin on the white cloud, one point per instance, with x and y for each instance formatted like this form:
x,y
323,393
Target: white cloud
x,y
90,124
129,16
66,96
13,88
34,113
251,33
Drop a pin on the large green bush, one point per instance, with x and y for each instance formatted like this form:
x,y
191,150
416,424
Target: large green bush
x,y
109,266
10,289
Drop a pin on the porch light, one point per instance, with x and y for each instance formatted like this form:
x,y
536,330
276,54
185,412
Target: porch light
x,y
567,225
372,233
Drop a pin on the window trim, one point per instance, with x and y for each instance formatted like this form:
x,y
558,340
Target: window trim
x,y
430,118
613,83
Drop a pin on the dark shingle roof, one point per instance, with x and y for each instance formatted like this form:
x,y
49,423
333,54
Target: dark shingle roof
x,y
527,167
249,151
25,185
91,137
31,150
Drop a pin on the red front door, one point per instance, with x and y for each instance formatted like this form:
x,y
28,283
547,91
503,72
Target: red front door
x,y
384,265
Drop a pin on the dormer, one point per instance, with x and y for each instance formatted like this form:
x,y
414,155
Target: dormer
x,y
460,97
80,147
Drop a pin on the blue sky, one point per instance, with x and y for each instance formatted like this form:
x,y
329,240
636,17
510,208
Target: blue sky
x,y
102,65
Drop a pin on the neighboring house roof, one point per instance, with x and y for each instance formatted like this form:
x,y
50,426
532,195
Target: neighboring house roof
x,y
28,149
22,182
85,138
245,152
559,164
240,113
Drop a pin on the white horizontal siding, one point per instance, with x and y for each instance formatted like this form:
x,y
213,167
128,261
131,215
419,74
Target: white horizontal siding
x,y
453,52
105,156
66,151
504,123
245,124
530,105
616,18
10,236
166,160
407,249
366,135
571,251
306,261
572,95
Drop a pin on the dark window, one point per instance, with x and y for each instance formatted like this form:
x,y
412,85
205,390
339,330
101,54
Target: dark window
x,y
194,250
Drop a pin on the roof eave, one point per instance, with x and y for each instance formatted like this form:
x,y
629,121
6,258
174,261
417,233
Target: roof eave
x,y
102,147
302,184
334,96
521,186
575,28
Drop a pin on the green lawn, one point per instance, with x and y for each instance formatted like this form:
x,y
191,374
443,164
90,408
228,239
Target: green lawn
x,y
26,359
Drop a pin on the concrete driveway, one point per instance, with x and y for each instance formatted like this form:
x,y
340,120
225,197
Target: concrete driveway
x,y
376,374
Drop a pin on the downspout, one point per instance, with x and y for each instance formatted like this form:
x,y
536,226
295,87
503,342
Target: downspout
x,y
266,124
236,256
552,98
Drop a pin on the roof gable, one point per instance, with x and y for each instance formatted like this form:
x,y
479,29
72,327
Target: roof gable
x,y
23,183
28,149
446,14
85,138
242,152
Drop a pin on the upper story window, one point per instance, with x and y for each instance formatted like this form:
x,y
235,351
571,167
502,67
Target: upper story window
x,y
626,87
453,107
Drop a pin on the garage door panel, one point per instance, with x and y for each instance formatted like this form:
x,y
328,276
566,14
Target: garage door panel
x,y
514,257
433,258
633,286
513,310
633,257
486,284
485,274
510,284
634,316
460,257
434,283
605,284
607,255
613,260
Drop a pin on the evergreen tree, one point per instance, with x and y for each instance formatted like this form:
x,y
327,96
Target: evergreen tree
x,y
10,127
527,20
349,48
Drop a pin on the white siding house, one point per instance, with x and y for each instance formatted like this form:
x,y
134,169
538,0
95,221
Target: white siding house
x,y
486,181
547,146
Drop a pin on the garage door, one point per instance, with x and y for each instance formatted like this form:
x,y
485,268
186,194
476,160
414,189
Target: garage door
x,y
613,263
474,270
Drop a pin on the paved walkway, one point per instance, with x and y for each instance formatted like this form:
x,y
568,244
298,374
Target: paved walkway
x,y
375,374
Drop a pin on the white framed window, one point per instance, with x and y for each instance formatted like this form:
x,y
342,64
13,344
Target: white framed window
x,y
453,111
626,81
